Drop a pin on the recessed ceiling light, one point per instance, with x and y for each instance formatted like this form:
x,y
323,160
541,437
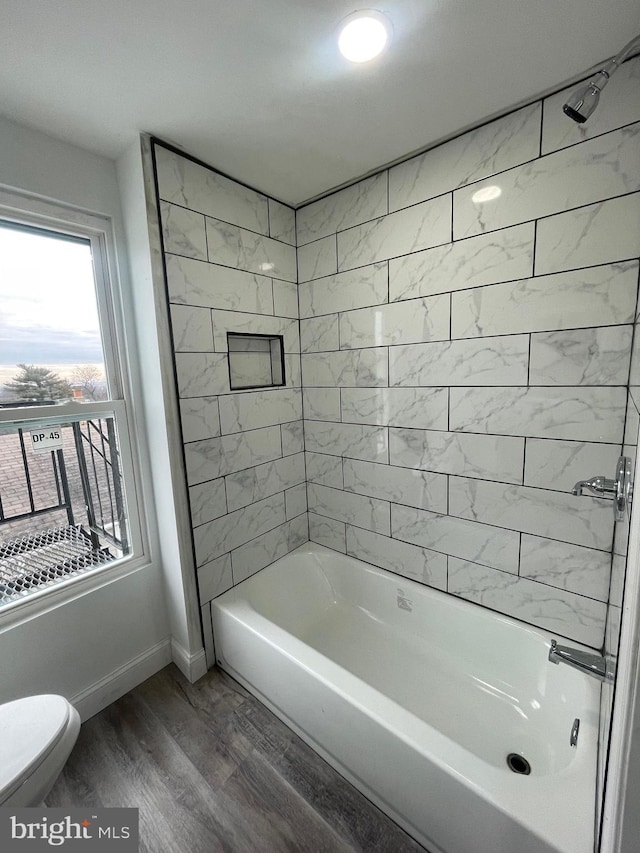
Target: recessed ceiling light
x,y
486,194
363,35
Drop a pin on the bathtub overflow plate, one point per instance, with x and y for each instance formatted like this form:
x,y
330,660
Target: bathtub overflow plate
x,y
518,764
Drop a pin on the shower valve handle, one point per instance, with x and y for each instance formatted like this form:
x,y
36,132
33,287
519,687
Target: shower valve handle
x,y
619,490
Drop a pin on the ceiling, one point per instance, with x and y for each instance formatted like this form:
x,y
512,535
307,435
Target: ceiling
x,y
257,88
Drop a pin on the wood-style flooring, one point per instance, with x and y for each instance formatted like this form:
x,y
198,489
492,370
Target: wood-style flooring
x,y
211,769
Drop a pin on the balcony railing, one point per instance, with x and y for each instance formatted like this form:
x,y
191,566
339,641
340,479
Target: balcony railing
x,y
63,511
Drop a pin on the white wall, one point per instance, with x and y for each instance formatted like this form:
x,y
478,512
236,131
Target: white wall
x,y
161,410
108,635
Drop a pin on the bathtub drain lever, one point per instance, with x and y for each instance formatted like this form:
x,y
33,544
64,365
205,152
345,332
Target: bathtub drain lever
x,y
575,728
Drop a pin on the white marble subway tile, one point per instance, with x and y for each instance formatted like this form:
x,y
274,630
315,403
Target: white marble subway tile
x,y
257,409
344,291
351,206
319,334
321,404
183,232
200,418
197,187
293,370
422,489
465,539
193,282
360,368
618,571
612,630
409,561
371,513
632,423
215,457
254,484
201,374
425,319
559,132
324,469
282,222
598,169
559,465
191,328
268,547
487,259
252,324
494,147
541,512
419,227
295,500
597,234
214,578
621,539
285,299
569,567
489,361
292,437
245,250
597,356
579,414
489,457
318,259
353,440
425,408
327,532
573,616
207,501
592,297
218,537
634,373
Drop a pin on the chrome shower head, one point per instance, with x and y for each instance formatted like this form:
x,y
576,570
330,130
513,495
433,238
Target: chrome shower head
x,y
584,100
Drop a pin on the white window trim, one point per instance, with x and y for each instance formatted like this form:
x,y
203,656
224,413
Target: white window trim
x,y
25,209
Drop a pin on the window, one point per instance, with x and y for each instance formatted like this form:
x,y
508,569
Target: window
x,y
67,473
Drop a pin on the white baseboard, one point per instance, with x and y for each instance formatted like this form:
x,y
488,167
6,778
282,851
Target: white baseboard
x,y
105,691
191,666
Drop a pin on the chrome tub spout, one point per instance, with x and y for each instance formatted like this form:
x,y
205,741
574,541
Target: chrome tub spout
x,y
587,662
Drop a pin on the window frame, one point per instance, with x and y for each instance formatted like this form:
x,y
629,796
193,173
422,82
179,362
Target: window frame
x,y
22,209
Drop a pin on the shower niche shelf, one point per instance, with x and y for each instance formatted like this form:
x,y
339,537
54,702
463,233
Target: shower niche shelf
x,y
255,361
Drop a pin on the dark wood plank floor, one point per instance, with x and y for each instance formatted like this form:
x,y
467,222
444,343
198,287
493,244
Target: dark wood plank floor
x,y
211,769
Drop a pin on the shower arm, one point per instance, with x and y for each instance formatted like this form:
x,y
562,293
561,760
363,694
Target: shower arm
x,y
601,77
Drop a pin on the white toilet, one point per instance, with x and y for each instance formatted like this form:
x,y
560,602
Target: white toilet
x,y
37,736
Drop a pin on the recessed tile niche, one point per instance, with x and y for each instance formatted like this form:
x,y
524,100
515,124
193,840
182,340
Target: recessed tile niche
x,y
255,361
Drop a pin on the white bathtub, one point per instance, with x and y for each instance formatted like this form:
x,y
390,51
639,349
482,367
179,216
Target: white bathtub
x,y
417,698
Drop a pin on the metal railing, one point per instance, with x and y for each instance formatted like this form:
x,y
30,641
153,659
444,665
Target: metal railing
x,y
95,463
104,497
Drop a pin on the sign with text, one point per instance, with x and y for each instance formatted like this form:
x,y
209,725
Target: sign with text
x,y
46,439
104,830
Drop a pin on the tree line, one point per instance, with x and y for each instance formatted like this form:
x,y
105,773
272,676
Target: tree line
x,y
35,383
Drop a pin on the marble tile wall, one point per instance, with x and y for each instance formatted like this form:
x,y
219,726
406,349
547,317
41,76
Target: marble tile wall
x,y
620,567
466,325
231,266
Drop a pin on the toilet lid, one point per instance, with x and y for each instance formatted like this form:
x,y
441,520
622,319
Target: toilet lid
x,y
29,729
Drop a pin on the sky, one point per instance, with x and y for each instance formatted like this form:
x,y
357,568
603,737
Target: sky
x,y
48,309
